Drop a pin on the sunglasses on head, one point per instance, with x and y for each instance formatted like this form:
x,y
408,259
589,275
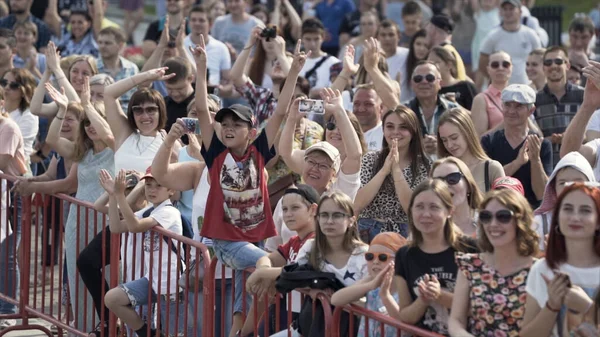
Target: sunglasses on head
x,y
419,78
383,257
330,126
11,85
503,216
451,179
557,61
496,64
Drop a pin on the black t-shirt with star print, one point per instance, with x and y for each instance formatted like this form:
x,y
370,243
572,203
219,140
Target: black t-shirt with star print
x,y
412,264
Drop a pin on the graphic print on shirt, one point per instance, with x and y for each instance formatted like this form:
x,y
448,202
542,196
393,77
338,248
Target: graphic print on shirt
x,y
436,316
151,241
241,191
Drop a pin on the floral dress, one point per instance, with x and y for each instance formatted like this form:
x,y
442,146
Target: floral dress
x,y
497,302
375,303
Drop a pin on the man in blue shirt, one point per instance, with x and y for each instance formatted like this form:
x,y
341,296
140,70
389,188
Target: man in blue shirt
x,y
21,11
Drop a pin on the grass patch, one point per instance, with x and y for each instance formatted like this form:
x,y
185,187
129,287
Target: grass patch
x,y
570,8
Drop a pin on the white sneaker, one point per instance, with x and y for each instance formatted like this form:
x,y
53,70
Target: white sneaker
x,y
7,323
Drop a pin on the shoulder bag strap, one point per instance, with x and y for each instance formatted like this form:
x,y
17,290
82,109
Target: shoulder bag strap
x,y
487,176
309,73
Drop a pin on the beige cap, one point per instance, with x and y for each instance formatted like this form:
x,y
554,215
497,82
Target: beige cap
x,y
328,150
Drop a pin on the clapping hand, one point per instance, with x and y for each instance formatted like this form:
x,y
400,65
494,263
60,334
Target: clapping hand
x,y
349,65
430,288
332,100
85,95
52,58
107,182
120,183
58,97
371,53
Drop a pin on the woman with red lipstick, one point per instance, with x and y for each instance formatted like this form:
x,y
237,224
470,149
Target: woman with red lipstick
x,y
561,285
457,137
489,297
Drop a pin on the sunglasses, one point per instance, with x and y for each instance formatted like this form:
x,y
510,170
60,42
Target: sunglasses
x,y
419,78
496,64
504,216
557,61
149,110
11,85
330,126
451,179
383,257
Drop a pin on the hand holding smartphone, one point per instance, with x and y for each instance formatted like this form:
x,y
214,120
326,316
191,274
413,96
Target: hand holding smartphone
x,y
191,125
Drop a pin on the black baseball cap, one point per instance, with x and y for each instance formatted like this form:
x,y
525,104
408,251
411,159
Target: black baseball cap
x,y
306,191
242,111
443,22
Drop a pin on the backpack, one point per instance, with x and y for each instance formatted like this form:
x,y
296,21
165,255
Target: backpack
x,y
188,232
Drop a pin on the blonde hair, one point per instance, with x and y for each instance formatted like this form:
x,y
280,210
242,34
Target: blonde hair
x,y
83,143
462,120
351,238
451,232
527,238
474,196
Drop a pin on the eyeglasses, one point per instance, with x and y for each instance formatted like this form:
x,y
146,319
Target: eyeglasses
x,y
335,217
383,257
429,78
503,216
451,179
330,126
139,110
557,61
11,85
322,167
496,64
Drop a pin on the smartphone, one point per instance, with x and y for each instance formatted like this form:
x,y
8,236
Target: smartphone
x,y
312,106
191,125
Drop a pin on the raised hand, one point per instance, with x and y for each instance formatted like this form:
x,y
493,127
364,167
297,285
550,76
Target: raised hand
x,y
591,96
299,58
177,131
199,52
120,182
107,182
85,94
333,100
58,97
386,286
378,280
558,287
52,57
164,36
349,64
254,36
279,43
371,53
158,74
181,34
294,113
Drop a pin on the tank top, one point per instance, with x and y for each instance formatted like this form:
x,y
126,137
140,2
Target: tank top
x,y
198,208
137,152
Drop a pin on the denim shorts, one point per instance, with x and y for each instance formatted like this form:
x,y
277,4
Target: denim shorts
x,y
137,292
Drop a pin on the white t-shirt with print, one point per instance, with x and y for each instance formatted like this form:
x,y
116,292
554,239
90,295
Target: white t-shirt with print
x,y
374,138
397,64
354,270
586,278
169,218
594,123
322,72
217,57
345,183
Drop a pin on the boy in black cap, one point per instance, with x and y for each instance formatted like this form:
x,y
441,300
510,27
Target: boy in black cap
x,y
239,215
439,33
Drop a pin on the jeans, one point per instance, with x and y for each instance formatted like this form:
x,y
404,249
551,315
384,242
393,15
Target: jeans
x,y
221,299
90,264
238,256
137,292
9,268
369,228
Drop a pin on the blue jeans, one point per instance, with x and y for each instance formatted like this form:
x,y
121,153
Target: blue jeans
x,y
369,228
238,256
9,268
219,301
137,292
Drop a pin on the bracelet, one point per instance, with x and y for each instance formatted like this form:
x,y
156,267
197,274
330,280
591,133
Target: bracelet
x,y
551,309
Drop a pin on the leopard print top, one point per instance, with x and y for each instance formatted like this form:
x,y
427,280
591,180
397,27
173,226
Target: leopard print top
x,y
386,206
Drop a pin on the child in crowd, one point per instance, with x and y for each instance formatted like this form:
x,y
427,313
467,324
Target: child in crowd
x,y
163,276
240,216
380,262
299,212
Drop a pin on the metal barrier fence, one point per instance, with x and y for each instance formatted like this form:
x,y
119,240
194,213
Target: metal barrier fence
x,y
106,259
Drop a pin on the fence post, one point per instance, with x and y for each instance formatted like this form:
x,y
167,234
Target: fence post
x,y
115,241
550,18
24,251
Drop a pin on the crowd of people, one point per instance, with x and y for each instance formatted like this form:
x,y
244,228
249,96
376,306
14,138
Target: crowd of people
x,y
450,181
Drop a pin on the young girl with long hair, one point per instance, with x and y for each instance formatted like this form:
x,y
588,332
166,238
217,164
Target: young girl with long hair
x,y
571,268
457,137
489,297
388,176
464,91
465,194
417,51
425,268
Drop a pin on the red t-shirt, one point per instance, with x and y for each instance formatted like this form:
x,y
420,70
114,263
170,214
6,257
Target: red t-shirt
x,y
238,207
290,249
